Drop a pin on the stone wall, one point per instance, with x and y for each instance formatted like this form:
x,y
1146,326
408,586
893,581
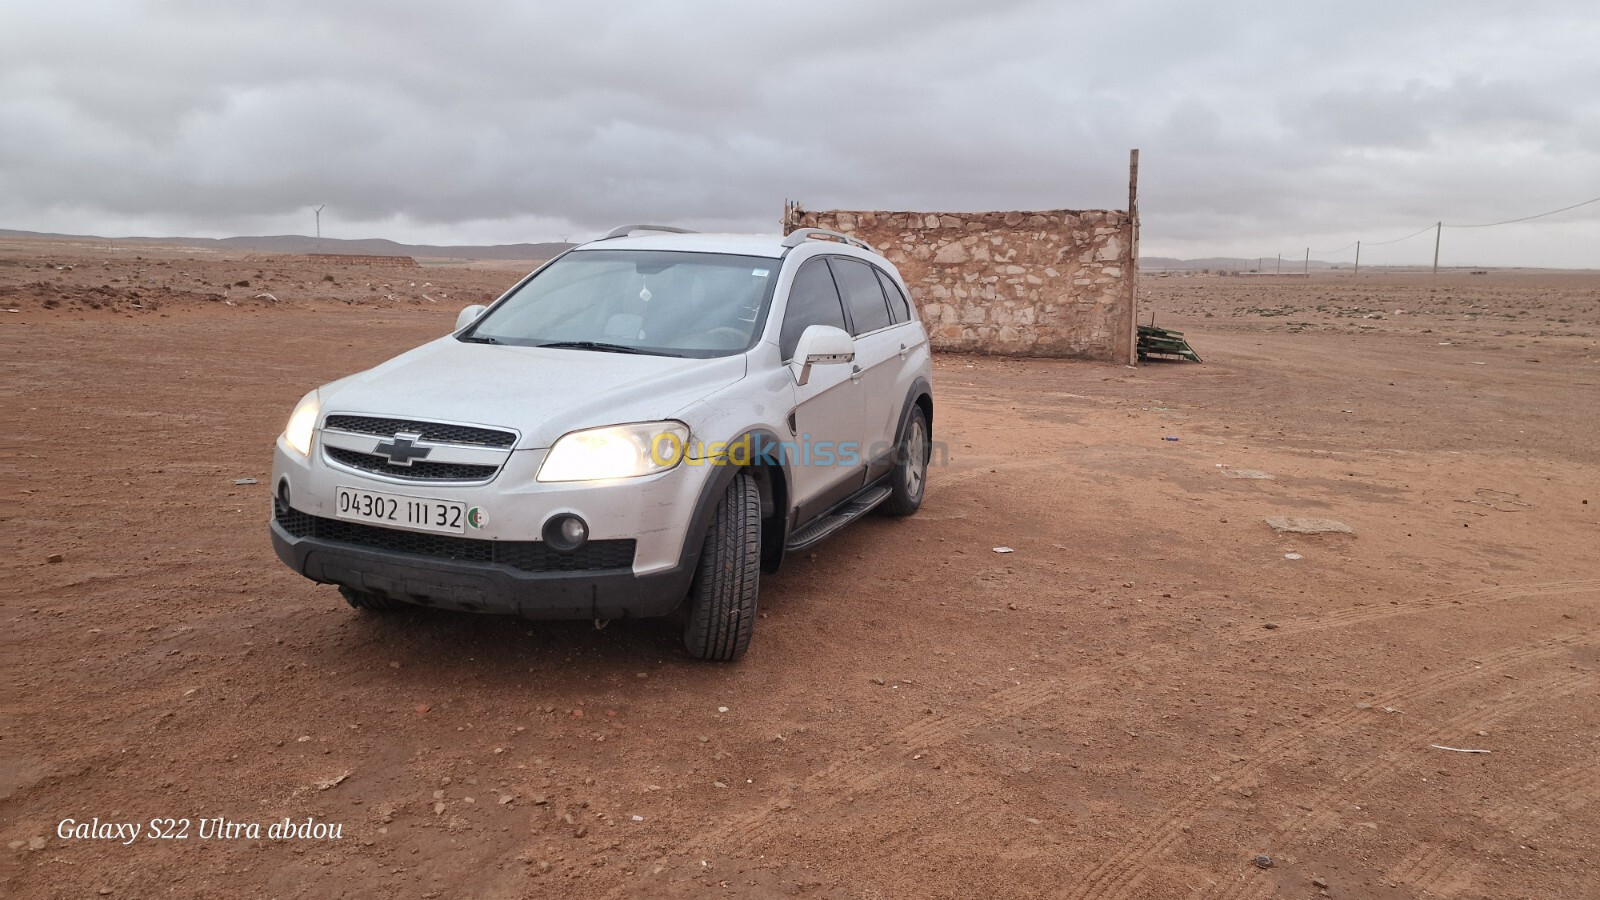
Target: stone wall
x,y
1048,283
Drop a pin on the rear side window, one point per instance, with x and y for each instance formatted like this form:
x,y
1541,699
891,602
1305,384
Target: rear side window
x,y
899,309
813,300
862,294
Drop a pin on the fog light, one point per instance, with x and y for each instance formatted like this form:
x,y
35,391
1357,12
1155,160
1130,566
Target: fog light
x,y
566,532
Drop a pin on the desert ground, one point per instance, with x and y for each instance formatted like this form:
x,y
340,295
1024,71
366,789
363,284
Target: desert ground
x,y
1151,691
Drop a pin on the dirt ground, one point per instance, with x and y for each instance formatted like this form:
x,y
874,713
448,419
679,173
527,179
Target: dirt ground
x,y
1152,690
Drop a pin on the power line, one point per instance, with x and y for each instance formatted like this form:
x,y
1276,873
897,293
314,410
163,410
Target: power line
x,y
1526,218
1340,250
1398,240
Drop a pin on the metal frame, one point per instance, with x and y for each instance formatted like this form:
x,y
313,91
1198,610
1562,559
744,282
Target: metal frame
x,y
801,235
625,230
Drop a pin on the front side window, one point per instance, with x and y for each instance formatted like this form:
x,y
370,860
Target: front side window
x,y
862,294
667,303
813,300
899,309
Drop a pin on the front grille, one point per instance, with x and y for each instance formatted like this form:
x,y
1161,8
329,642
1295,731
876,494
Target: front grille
x,y
436,432
528,556
417,471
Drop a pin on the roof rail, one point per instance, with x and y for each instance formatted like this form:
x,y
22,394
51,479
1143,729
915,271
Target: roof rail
x,y
801,235
625,230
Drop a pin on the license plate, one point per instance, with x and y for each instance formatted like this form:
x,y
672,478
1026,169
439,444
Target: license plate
x,y
379,508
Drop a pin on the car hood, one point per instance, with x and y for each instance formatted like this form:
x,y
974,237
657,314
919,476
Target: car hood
x,y
541,392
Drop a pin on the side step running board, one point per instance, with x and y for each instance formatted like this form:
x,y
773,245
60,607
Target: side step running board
x,y
855,508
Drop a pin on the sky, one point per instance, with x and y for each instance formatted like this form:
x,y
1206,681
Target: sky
x,y
1263,128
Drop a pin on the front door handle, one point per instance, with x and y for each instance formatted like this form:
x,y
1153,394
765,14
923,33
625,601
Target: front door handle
x,y
903,351
855,374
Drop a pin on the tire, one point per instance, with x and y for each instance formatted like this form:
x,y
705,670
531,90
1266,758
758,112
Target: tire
x,y
366,600
909,482
722,597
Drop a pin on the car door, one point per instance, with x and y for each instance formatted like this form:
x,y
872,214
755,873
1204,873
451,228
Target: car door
x,y
826,418
879,353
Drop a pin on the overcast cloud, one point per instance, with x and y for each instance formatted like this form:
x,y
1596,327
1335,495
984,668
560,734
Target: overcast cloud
x,y
1263,127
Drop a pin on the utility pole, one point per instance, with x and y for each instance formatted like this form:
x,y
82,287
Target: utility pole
x,y
1308,262
1280,265
1438,229
1132,270
1358,257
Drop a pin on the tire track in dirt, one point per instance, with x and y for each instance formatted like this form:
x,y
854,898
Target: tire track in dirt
x,y
1439,872
1479,597
1117,874
1322,818
828,786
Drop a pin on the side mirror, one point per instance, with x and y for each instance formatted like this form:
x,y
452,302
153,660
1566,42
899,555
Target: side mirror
x,y
466,316
822,345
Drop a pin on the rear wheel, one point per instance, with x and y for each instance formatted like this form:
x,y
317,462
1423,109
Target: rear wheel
x,y
722,598
910,479
368,601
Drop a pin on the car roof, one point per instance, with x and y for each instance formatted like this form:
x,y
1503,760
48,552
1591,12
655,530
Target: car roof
x,y
769,245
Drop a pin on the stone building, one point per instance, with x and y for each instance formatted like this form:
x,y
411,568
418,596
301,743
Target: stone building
x,y
1056,283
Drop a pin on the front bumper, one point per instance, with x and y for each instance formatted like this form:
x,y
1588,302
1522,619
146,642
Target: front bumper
x,y
659,517
480,586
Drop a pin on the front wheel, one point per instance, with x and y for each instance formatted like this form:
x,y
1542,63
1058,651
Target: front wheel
x,y
910,479
722,599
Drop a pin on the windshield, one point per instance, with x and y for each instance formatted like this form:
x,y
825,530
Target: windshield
x,y
662,302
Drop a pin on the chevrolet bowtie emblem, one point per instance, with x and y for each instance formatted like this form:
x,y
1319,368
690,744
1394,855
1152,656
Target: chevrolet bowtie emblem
x,y
402,450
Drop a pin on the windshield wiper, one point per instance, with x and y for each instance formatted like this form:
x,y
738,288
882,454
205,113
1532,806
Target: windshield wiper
x,y
602,347
474,339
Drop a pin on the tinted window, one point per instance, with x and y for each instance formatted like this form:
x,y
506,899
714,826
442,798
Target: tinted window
x,y
813,300
862,294
899,309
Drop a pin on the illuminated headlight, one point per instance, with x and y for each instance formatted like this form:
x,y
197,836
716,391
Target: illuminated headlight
x,y
302,423
616,451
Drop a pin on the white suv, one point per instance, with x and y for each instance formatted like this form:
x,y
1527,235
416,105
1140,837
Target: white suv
x,y
645,422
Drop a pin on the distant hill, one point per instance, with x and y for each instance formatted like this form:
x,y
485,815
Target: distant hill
x,y
296,244
1228,264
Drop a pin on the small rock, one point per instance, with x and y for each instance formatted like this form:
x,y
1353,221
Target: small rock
x,y
722,709
1032,821
1294,525
1320,882
438,808
422,708
36,843
877,680
1270,626
54,558
245,481
1263,861
1004,550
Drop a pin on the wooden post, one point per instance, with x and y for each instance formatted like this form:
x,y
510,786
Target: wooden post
x,y
1131,351
1358,257
1438,229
